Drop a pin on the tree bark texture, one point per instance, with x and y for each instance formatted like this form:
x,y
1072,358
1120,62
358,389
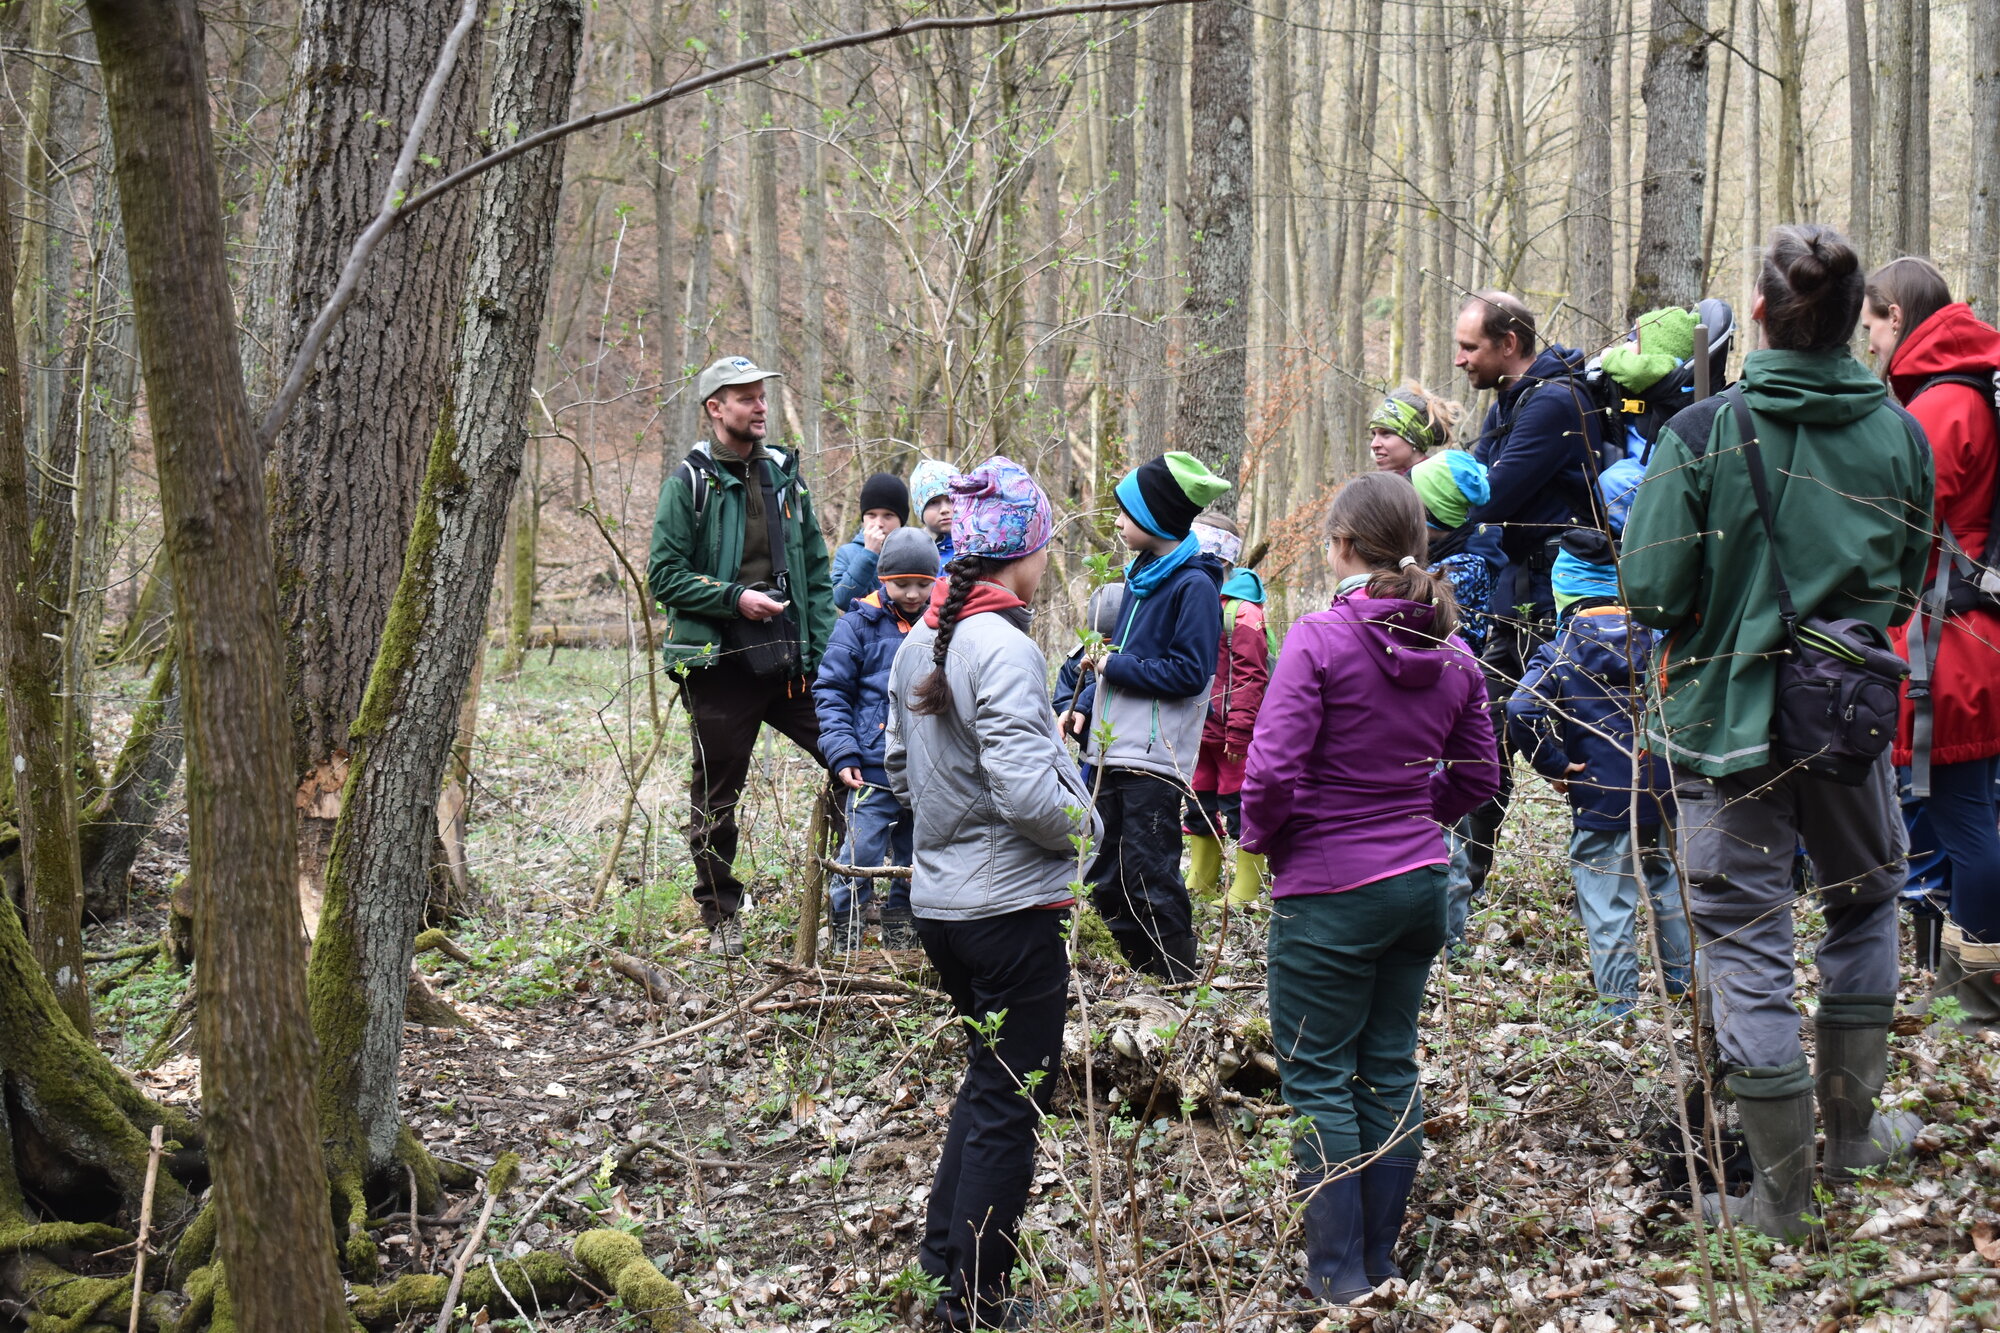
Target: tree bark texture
x,y
1667,267
1893,38
37,748
1860,129
275,1235
1790,64
345,467
377,873
1983,281
761,148
117,826
1591,246
1208,420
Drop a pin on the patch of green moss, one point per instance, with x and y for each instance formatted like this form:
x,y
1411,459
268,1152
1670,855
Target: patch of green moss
x,y
617,1259
533,1278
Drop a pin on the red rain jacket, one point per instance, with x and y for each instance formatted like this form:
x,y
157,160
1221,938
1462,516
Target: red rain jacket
x,y
1242,670
1965,676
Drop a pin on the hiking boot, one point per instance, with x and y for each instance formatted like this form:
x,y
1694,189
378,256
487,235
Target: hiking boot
x,y
1385,1199
725,938
1776,1110
843,933
1852,1033
1333,1236
1970,972
899,930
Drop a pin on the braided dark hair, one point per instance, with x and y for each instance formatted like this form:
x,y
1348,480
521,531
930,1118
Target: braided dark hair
x,y
934,691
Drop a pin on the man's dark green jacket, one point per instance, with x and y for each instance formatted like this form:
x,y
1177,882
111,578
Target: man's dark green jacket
x,y
693,568
1851,490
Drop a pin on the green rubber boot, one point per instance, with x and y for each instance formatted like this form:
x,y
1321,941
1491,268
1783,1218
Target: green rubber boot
x,y
1852,1032
1775,1107
1204,865
1970,972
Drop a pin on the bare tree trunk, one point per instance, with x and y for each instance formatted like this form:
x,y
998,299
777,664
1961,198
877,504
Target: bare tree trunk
x,y
346,465
664,179
696,341
812,285
1409,251
114,830
1667,270
375,894
1918,188
762,205
1791,111
1860,128
1983,281
31,674
1712,213
1894,36
1358,274
1621,274
1753,191
1591,245
1164,149
1121,237
275,1237
1208,421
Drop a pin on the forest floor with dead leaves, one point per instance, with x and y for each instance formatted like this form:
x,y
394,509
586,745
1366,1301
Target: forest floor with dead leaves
x,y
769,1132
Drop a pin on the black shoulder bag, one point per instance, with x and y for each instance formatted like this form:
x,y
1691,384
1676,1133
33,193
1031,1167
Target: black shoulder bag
x,y
1839,681
767,649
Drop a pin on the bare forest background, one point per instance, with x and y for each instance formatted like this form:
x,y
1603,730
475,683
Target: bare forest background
x,y
301,518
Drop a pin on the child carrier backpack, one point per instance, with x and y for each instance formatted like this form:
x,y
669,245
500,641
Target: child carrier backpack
x,y
1632,425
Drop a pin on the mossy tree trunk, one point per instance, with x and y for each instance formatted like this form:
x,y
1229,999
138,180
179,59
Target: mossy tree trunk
x,y
346,465
37,749
376,876
112,831
275,1237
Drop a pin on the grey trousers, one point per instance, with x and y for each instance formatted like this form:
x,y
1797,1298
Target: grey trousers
x,y
1737,837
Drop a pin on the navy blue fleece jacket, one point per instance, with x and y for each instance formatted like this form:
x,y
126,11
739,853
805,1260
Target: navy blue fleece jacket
x,y
1539,443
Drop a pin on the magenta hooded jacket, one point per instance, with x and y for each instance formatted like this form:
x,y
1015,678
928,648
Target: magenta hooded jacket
x,y
1373,738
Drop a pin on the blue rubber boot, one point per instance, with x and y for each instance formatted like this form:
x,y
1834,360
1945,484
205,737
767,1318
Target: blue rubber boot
x,y
1385,1200
1333,1227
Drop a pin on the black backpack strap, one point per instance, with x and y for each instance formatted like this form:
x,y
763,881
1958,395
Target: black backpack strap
x,y
774,524
1760,485
1693,424
1988,389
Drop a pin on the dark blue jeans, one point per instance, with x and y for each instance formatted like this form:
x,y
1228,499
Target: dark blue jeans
x,y
879,833
1963,817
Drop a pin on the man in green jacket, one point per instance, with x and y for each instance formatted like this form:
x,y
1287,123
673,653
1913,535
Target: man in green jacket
x,y
1850,482
740,568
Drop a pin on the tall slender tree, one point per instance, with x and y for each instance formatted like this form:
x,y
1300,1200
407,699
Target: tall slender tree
x,y
1591,248
1667,267
1983,280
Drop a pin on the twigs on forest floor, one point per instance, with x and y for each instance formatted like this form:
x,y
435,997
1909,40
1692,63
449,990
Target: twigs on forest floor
x,y
497,1183
1850,1301
840,988
865,872
569,1178
158,1147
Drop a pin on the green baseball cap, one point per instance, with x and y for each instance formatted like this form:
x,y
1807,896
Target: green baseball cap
x,y
727,371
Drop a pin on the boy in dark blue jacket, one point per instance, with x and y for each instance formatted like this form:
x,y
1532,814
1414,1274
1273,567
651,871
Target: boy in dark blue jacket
x,y
1151,691
852,697
1574,717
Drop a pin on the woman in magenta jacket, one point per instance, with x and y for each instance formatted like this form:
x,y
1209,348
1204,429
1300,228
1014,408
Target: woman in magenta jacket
x,y
1373,738
1918,333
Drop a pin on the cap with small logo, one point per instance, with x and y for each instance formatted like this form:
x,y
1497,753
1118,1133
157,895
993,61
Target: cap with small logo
x,y
729,370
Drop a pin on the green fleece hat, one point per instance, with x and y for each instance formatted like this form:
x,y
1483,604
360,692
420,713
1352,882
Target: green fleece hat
x,y
1164,495
1449,484
1666,339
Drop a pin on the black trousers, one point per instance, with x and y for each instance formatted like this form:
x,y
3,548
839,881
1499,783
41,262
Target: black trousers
x,y
1135,878
726,708
1014,962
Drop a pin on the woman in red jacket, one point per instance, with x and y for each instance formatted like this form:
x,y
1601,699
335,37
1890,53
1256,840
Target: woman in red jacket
x,y
1918,334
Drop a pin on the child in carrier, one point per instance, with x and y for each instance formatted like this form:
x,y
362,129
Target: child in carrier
x,y
1575,717
1243,666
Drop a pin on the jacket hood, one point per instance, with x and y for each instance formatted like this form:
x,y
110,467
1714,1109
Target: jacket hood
x,y
1396,636
875,606
1820,388
983,597
1244,586
1954,341
1554,362
1600,643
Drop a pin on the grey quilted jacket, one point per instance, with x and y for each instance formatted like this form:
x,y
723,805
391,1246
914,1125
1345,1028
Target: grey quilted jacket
x,y
996,796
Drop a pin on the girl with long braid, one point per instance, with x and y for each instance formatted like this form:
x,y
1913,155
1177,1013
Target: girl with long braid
x,y
973,751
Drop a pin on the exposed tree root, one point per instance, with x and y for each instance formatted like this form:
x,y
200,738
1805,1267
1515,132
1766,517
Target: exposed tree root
x,y
534,1280
619,1261
55,1300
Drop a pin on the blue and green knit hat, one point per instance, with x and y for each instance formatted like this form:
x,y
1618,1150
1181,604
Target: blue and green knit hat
x,y
1166,494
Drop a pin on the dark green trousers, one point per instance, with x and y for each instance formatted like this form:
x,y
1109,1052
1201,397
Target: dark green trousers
x,y
1347,977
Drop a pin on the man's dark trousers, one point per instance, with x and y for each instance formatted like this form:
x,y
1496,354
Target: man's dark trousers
x,y
727,706
1014,962
1135,878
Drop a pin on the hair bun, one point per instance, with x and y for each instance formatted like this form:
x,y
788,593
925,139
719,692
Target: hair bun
x,y
1825,259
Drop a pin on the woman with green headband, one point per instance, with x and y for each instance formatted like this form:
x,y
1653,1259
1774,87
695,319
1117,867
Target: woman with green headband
x,y
1410,423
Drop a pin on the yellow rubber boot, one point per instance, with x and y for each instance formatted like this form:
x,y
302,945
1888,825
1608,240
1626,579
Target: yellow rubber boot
x,y
1248,885
1204,865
